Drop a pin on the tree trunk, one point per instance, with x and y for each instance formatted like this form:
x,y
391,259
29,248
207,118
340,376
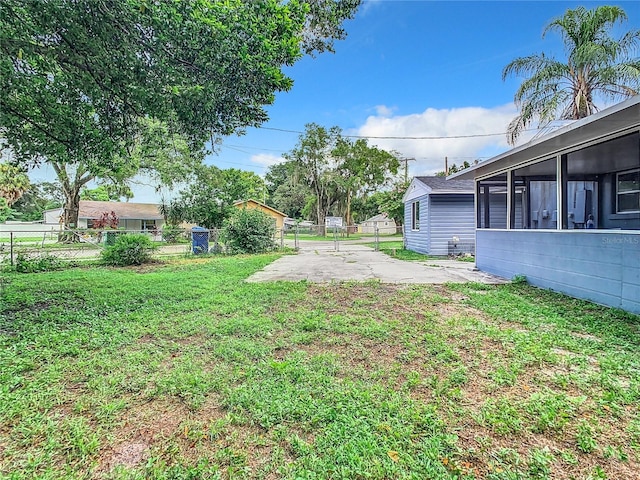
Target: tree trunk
x,y
71,210
71,191
320,213
322,228
70,214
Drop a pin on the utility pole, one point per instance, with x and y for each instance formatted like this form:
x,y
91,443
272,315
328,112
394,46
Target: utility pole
x,y
406,167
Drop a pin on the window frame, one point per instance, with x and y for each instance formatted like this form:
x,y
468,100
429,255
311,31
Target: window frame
x,y
415,216
145,226
629,192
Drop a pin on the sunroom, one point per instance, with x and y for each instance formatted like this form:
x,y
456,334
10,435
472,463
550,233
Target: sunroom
x,y
564,209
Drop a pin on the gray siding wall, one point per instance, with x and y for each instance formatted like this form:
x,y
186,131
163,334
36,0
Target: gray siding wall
x,y
451,215
417,241
601,266
610,219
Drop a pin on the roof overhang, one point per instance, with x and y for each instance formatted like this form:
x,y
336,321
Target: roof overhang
x,y
415,189
452,192
240,203
622,117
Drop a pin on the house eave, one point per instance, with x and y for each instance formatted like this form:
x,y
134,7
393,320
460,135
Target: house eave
x,y
622,117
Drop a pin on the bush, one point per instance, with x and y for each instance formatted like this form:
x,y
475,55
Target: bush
x,y
41,263
249,231
171,233
128,249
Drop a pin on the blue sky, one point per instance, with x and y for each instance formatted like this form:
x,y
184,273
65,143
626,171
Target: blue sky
x,y
410,68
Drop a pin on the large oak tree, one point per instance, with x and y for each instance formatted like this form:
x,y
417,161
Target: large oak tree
x,y
337,168
77,76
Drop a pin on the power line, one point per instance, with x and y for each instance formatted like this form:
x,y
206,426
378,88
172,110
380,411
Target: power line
x,y
433,137
250,148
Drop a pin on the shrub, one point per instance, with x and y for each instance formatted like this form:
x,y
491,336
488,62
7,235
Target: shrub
x,y
40,263
171,233
249,231
129,249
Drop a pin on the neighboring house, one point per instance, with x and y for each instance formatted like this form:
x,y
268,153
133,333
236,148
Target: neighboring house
x,y
381,222
272,212
292,223
131,216
439,216
569,212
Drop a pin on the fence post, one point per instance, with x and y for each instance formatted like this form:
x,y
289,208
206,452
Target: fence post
x,y
282,238
335,239
377,236
295,242
11,248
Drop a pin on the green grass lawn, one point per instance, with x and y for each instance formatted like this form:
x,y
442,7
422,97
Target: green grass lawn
x,y
182,370
397,250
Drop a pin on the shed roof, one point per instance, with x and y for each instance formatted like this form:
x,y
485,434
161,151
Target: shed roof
x,y
440,185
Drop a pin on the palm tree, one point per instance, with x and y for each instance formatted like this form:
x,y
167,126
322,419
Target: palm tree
x,y
13,183
596,65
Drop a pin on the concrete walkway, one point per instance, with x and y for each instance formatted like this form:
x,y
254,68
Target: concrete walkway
x,y
318,262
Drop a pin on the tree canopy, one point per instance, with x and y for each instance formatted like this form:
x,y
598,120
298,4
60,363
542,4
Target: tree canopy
x,y
336,168
38,198
76,74
208,200
597,66
86,82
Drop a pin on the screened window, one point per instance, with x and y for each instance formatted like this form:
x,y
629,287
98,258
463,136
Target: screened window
x,y
415,216
603,187
535,196
492,202
628,192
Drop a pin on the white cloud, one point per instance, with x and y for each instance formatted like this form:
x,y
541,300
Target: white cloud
x,y
384,111
430,153
266,159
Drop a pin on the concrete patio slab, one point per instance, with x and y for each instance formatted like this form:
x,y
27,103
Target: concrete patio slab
x,y
318,262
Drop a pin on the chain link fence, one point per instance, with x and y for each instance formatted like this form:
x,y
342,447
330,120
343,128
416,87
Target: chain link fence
x,y
80,244
86,244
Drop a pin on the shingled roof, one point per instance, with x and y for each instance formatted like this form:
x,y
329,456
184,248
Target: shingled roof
x,y
124,210
442,185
